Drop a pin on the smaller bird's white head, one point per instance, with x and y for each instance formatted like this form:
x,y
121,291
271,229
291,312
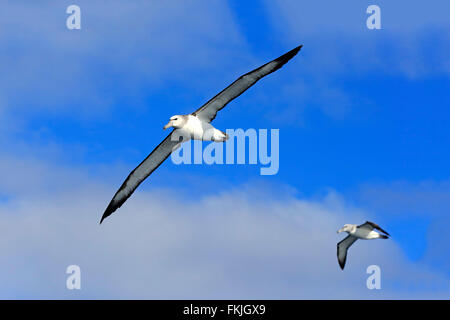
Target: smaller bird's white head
x,y
346,228
176,122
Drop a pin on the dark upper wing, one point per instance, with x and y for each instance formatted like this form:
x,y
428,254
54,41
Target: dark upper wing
x,y
371,226
209,110
342,248
142,171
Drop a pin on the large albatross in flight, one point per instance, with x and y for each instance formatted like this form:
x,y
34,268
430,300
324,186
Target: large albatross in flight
x,y
195,126
364,231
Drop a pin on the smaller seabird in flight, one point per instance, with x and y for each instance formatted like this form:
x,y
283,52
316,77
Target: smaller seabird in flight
x,y
196,125
364,231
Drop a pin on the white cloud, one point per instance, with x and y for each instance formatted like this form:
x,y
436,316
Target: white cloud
x,y
244,242
350,16
425,201
413,41
132,45
338,49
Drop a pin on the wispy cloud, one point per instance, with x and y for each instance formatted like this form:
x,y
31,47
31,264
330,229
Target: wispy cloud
x,y
410,203
412,45
242,242
132,45
413,40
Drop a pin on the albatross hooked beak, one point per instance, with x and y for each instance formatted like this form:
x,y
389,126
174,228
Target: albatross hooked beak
x,y
168,125
340,230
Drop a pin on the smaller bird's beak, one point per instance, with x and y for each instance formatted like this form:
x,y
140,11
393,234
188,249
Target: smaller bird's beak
x,y
339,231
168,125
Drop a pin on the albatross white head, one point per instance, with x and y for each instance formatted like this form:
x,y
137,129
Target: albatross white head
x,y
346,228
176,122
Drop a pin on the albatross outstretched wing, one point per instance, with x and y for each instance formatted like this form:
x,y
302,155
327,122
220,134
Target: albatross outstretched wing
x,y
142,171
342,248
209,110
370,225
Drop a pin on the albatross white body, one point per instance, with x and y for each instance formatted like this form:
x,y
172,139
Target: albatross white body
x,y
360,233
190,126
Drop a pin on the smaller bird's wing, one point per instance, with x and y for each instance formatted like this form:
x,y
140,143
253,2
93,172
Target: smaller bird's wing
x,y
342,248
140,173
209,110
371,225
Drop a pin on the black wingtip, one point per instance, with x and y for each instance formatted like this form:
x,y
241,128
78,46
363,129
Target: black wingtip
x,y
103,217
289,55
297,49
109,210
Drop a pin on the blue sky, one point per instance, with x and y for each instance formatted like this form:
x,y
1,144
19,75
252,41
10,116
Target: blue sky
x,y
363,136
